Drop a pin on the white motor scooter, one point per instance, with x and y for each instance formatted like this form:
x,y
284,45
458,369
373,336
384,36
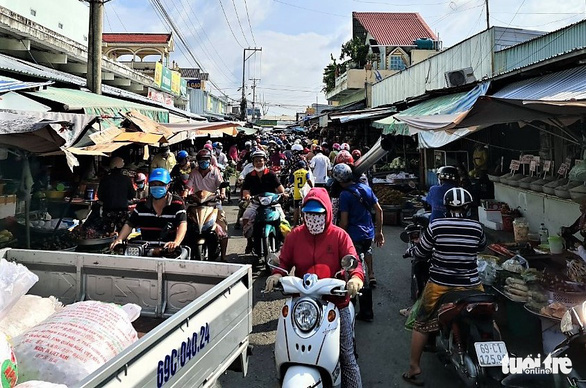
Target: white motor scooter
x,y
307,347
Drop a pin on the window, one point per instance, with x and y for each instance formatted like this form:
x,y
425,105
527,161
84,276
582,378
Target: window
x,y
33,12
397,63
60,25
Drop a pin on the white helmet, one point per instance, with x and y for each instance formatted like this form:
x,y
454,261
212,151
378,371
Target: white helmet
x,y
344,146
296,147
342,173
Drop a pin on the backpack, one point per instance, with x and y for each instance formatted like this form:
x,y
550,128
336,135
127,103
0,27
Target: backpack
x,y
369,207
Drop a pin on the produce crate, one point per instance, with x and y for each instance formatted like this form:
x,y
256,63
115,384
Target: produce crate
x,y
387,195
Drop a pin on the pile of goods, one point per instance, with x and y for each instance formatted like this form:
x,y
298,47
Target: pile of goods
x,y
43,344
555,309
55,242
516,289
6,236
388,196
577,271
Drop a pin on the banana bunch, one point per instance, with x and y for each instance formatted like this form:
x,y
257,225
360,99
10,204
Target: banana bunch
x,y
5,236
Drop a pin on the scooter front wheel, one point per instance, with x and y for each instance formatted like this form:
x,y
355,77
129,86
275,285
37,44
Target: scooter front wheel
x,y
302,376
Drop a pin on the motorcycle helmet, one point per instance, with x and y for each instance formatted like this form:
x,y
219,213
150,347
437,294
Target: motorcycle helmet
x,y
356,154
258,154
140,177
297,147
208,147
182,155
218,145
342,173
457,200
344,157
248,144
345,147
336,147
204,154
447,173
160,175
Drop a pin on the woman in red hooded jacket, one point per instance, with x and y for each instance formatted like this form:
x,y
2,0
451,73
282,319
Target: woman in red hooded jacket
x,y
317,247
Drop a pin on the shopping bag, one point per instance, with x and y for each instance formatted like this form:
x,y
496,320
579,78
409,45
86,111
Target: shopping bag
x,y
412,315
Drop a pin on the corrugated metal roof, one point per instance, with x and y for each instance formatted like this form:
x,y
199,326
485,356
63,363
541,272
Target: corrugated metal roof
x,y
8,84
563,85
15,101
15,65
124,37
97,104
394,29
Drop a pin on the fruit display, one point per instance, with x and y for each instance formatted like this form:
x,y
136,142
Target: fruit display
x,y
82,232
576,271
388,196
55,243
6,236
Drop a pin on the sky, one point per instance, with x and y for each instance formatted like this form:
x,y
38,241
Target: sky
x,y
298,36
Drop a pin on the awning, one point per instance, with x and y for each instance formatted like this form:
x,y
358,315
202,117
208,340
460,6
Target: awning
x,y
366,114
185,131
8,84
246,130
32,133
90,103
556,96
15,101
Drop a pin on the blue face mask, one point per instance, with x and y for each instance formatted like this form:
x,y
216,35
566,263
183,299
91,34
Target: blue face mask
x,y
140,185
158,192
204,164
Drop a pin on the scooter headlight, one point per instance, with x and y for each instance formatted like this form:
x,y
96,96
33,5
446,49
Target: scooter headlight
x,y
306,315
265,201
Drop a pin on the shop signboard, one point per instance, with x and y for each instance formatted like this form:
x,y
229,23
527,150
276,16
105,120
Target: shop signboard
x,y
514,166
158,73
183,87
166,79
196,84
176,82
161,97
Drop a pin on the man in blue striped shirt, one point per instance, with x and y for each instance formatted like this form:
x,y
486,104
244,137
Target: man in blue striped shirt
x,y
452,242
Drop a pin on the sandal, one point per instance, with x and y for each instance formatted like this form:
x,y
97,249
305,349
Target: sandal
x,y
405,312
372,282
413,379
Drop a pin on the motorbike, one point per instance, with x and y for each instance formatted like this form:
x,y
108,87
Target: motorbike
x,y
573,326
468,339
419,267
153,248
266,234
226,179
307,345
202,229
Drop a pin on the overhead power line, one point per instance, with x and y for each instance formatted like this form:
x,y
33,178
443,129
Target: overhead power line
x,y
229,25
240,24
158,6
249,24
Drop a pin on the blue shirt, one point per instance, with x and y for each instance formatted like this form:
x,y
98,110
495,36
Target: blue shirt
x,y
435,198
360,223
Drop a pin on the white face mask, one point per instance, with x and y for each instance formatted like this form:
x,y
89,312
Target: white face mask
x,y
315,222
259,169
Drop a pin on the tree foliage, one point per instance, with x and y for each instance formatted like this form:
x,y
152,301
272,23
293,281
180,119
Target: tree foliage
x,y
354,54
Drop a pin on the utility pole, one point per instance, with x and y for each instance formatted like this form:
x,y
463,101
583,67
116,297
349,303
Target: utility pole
x,y
243,101
487,15
94,59
253,95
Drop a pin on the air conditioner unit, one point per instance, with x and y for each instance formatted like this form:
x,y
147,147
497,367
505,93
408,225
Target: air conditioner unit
x,y
460,77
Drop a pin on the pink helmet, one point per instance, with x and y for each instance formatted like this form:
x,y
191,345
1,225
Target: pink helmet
x,y
344,157
140,177
208,147
345,147
336,146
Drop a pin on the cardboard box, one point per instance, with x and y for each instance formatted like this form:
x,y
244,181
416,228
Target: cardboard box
x,y
7,205
489,215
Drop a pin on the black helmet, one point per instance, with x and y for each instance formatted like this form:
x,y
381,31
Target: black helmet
x,y
204,154
447,173
458,198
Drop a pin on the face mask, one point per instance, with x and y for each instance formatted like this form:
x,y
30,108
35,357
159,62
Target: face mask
x,y
140,185
204,164
218,151
158,192
315,222
259,169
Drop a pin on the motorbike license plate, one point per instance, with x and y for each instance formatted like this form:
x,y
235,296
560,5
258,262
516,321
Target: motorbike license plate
x,y
490,353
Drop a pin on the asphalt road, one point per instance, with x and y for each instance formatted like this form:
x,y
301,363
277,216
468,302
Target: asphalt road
x,y
383,345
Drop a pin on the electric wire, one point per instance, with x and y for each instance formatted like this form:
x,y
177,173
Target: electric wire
x,y
311,10
229,25
239,23
120,20
249,24
167,20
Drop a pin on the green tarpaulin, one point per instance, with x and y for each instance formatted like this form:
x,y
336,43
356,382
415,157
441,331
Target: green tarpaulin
x,y
96,104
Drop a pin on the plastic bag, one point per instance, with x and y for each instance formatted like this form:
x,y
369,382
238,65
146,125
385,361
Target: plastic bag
x,y
15,281
74,342
516,264
412,315
578,172
8,370
28,311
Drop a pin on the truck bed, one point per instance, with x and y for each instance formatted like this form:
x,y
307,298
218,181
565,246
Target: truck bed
x,y
195,321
